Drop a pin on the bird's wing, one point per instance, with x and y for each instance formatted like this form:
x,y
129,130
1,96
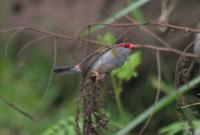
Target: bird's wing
x,y
88,62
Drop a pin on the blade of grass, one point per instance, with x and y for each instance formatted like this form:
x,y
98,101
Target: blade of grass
x,y
157,107
136,14
120,14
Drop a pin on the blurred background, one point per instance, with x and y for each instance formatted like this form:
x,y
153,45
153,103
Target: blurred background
x,y
24,76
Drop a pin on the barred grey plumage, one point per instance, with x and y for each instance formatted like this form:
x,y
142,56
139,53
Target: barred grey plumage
x,y
111,59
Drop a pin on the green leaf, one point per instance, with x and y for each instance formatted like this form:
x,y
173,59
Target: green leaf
x,y
120,14
157,107
177,127
128,70
63,127
137,13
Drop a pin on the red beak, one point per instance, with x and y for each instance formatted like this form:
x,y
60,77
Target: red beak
x,y
127,45
131,46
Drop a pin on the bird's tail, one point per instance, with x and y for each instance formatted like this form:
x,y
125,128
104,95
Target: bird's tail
x,y
66,69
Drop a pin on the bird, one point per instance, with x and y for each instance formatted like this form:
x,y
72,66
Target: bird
x,y
102,61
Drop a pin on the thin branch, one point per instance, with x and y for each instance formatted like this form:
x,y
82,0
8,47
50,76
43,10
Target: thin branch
x,y
150,33
86,44
11,38
94,42
176,27
45,32
122,13
164,49
53,65
42,31
124,33
17,109
10,29
77,38
30,43
156,37
189,105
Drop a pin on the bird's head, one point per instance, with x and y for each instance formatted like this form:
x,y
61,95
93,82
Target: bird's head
x,y
127,45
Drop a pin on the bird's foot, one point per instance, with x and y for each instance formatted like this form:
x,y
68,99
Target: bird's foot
x,y
96,76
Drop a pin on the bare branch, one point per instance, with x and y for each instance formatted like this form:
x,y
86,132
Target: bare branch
x,y
30,43
164,49
10,29
189,105
16,108
176,27
11,38
53,65
150,33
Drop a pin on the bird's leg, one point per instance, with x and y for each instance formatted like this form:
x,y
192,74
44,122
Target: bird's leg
x,y
96,76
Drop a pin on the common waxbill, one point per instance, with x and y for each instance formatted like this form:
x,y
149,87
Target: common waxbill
x,y
102,61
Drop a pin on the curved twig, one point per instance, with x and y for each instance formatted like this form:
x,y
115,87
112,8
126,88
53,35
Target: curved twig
x,y
16,108
150,33
53,65
30,43
11,38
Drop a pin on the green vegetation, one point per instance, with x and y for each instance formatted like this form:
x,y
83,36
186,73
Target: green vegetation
x,y
24,80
